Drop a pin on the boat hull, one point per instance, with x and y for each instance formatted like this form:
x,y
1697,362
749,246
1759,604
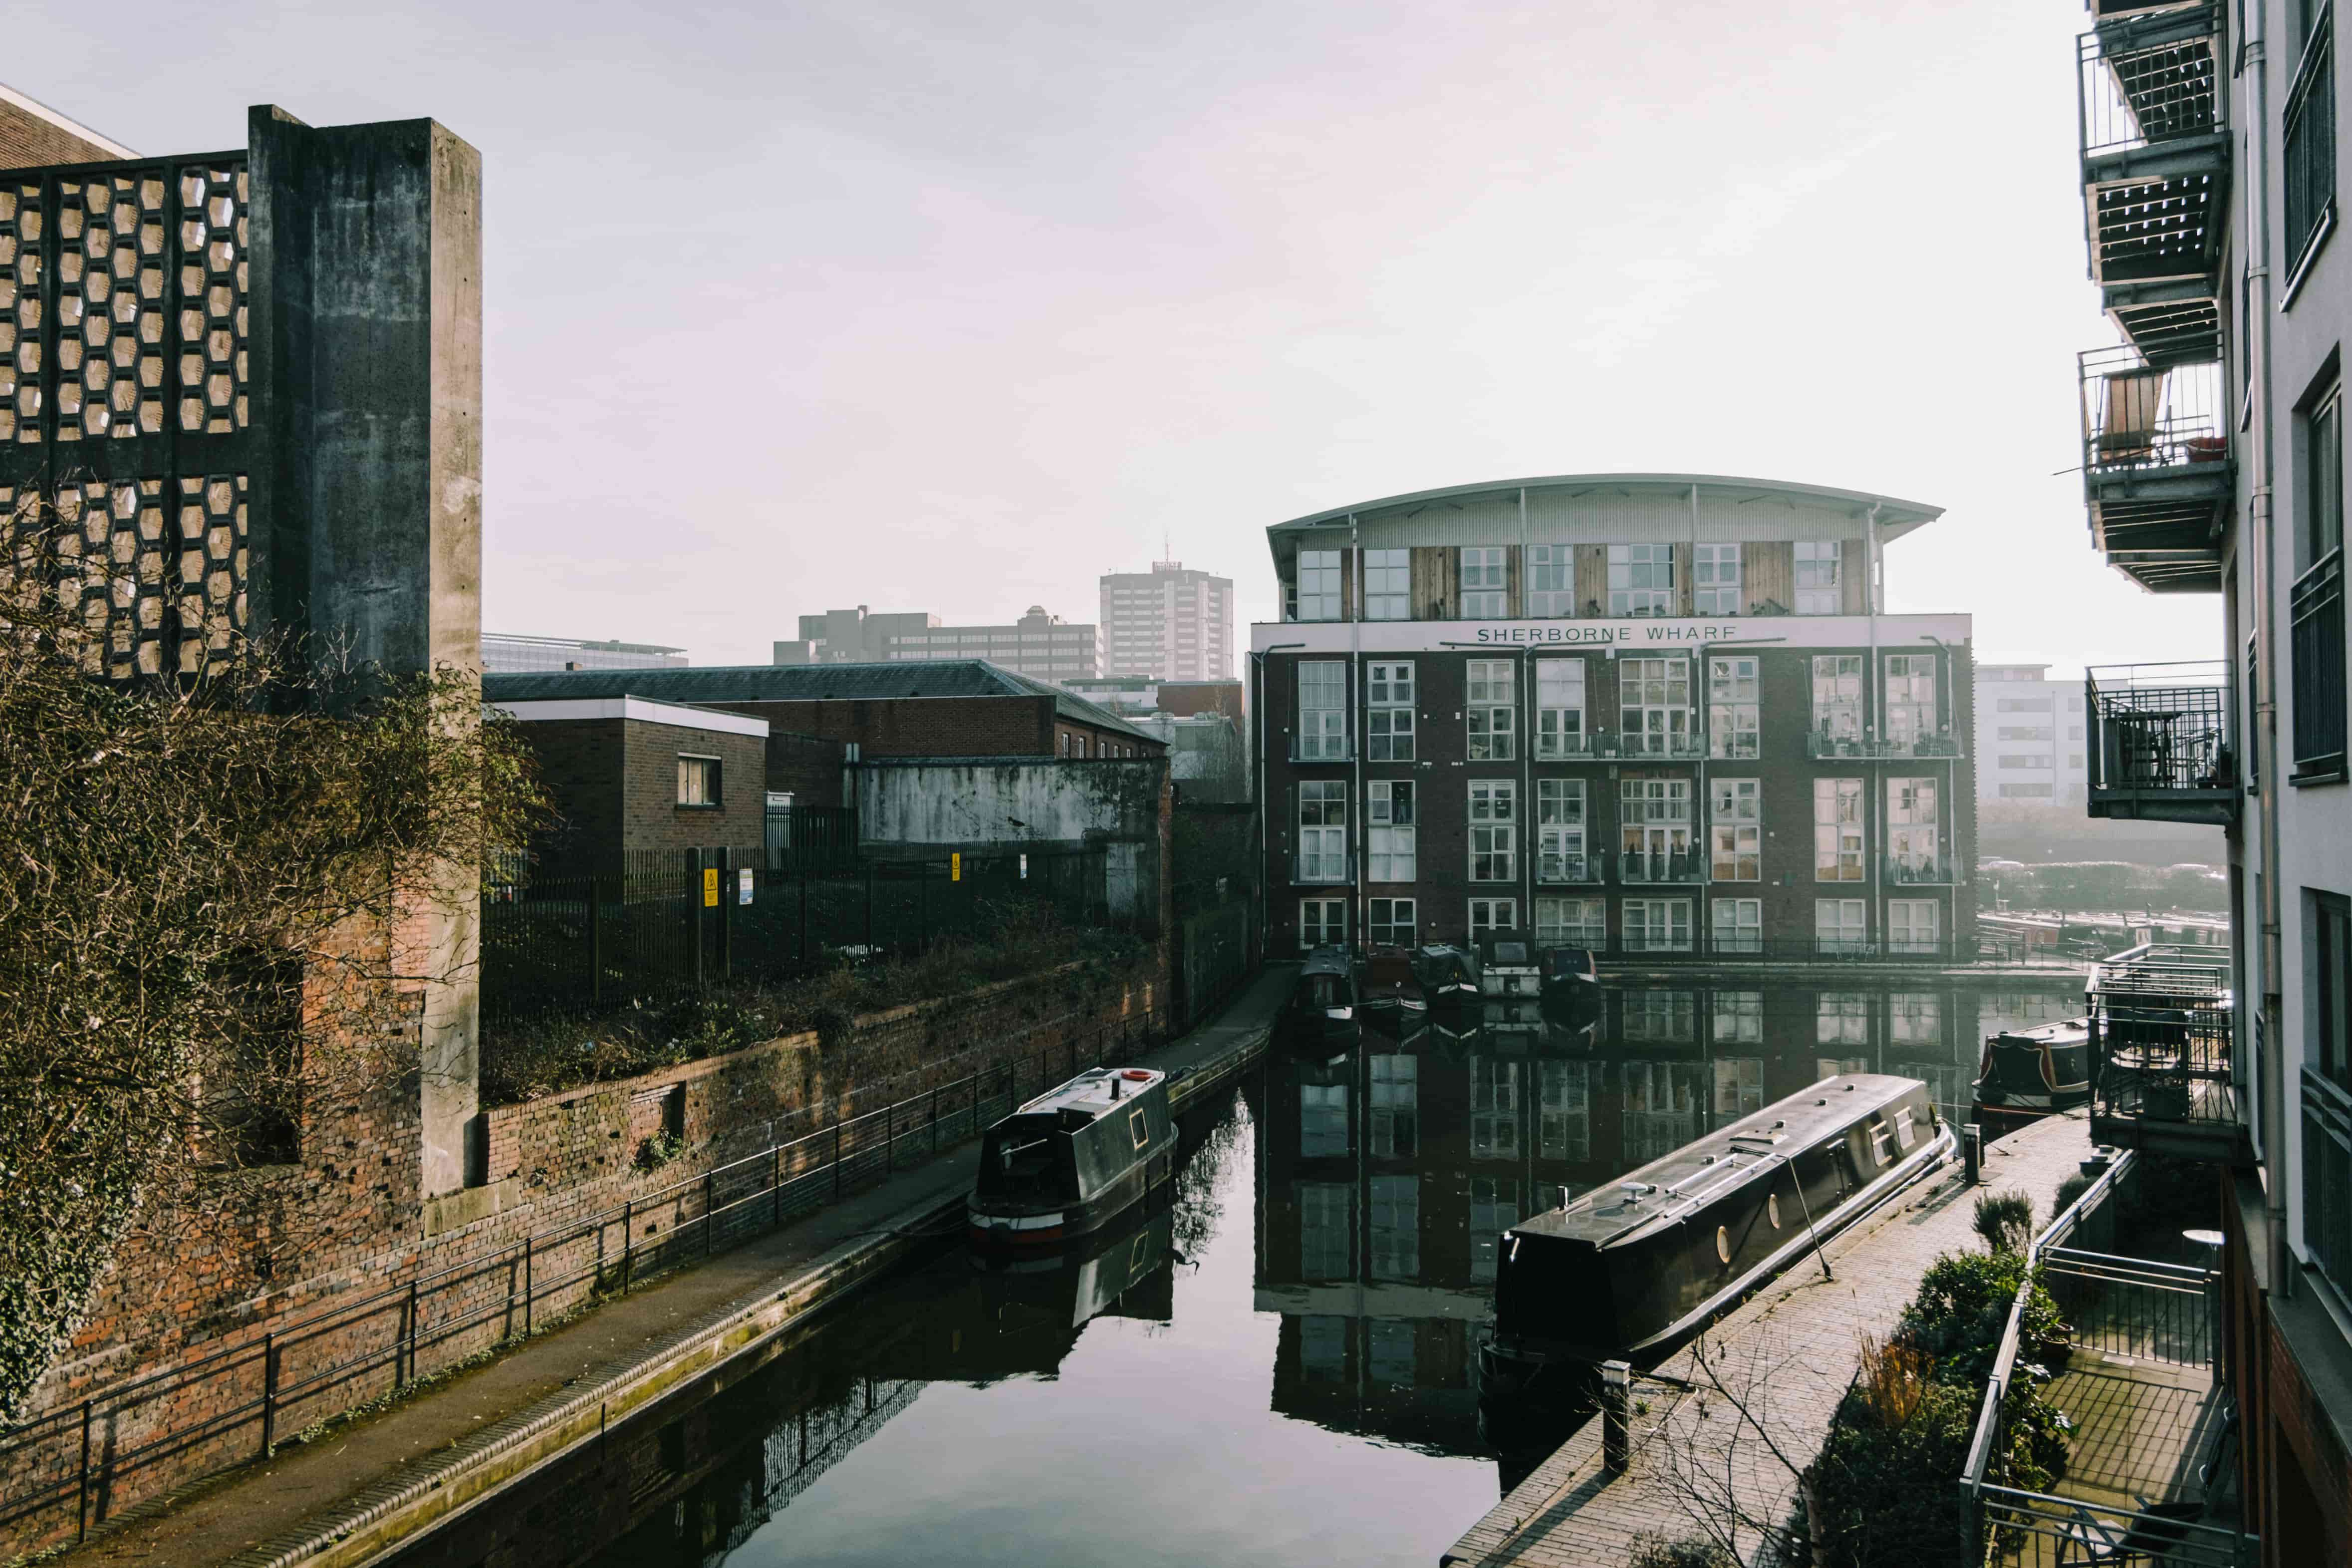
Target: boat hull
x,y
1023,1227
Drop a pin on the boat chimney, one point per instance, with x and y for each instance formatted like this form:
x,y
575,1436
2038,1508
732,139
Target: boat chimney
x,y
1114,1086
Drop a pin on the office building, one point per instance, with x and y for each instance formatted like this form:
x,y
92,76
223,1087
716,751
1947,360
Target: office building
x,y
1039,645
506,654
2030,730
1167,624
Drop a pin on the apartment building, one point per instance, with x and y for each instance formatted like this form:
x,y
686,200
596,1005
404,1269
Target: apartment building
x,y
1167,624
1038,643
2213,465
1652,713
2029,735
503,653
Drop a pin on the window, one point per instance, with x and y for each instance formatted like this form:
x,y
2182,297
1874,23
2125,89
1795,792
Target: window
x,y
2326,1086
1715,580
2028,732
2316,603
1388,585
1657,925
2022,705
1838,707
1654,818
2074,760
1840,925
2025,760
1551,579
1739,1086
1322,710
1737,924
1559,830
1321,921
1559,708
1323,830
698,780
1389,810
2309,144
1826,1067
1392,923
1493,830
1494,1209
1388,718
1911,714
1494,1107
1571,923
1482,582
1916,1018
1395,1106
1911,829
1317,596
1395,1227
1911,925
2025,792
1842,1018
1641,579
1492,709
1817,577
1488,916
1653,707
1732,707
1738,1017
1327,1245
1661,1103
1664,1016
1739,830
1837,830
1137,1129
1564,1123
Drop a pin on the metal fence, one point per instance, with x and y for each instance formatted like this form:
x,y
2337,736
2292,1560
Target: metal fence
x,y
667,922
2150,82
78,1464
2160,727
2138,416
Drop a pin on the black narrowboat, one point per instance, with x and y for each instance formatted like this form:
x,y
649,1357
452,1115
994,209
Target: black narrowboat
x,y
1508,965
1325,996
1568,970
1073,1159
1448,975
1633,1266
1390,982
2028,1073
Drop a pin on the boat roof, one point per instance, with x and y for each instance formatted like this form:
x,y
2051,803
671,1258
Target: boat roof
x,y
1699,1169
1326,960
1090,1093
2045,1033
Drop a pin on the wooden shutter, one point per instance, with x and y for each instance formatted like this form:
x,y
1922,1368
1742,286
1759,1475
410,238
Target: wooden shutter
x,y
1591,579
1769,577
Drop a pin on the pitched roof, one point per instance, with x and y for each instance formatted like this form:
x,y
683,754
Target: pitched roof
x,y
803,683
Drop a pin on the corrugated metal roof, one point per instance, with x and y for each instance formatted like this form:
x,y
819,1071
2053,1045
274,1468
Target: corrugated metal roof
x,y
1895,513
803,683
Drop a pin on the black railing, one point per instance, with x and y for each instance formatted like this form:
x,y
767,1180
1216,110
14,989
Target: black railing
x,y
812,837
1568,868
2309,147
2160,727
1917,871
80,1462
1322,749
1823,747
2317,609
2151,82
1650,868
2140,418
2161,1029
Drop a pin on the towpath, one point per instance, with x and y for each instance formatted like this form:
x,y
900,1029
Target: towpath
x,y
1788,1356
368,1487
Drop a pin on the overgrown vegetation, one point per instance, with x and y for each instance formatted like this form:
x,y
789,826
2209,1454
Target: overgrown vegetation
x,y
2005,1220
1026,937
1679,1552
205,894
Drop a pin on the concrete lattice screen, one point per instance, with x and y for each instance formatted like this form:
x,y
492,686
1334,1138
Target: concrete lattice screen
x,y
125,401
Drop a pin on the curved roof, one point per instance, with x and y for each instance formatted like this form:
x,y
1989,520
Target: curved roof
x,y
1892,509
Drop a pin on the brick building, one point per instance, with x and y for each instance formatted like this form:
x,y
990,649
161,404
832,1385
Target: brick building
x,y
627,774
32,134
1643,713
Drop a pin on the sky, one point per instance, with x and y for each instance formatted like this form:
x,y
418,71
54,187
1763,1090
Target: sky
x,y
954,307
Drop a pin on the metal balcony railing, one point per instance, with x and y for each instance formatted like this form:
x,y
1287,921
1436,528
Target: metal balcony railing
x,y
1822,746
2318,608
1557,865
1687,746
2159,742
1321,869
1917,871
2161,1036
2151,81
2140,419
1653,868
1322,749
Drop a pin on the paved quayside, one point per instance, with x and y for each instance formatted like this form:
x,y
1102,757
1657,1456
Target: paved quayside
x,y
379,1483
1799,1340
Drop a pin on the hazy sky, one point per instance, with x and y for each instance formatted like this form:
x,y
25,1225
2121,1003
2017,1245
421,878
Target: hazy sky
x,y
954,307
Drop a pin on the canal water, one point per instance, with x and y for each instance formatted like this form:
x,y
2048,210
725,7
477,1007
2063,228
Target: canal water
x,y
1276,1363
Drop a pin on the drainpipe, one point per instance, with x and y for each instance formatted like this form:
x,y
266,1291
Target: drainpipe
x,y
1873,696
2271,1124
1360,865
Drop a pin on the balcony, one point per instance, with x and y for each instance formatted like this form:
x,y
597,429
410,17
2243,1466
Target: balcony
x,y
2155,144
1602,747
2159,743
1661,867
1823,747
1917,871
2156,475
2161,1027
1321,749
1559,868
1311,869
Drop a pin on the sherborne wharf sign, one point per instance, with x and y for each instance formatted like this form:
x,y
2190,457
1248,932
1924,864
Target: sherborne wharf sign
x,y
1631,635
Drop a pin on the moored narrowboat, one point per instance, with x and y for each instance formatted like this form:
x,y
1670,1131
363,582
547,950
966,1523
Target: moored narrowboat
x,y
1448,975
1390,982
1568,970
1632,1267
2028,1073
1073,1159
1325,996
1508,965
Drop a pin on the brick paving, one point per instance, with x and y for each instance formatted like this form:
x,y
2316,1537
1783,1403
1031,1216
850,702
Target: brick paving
x,y
1788,1356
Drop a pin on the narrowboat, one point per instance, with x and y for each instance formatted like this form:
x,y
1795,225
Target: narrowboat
x,y
1448,975
1389,983
1568,970
1508,965
1325,995
1632,1267
1073,1159
2028,1073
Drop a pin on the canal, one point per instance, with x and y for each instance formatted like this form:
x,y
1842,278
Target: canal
x,y
1275,1364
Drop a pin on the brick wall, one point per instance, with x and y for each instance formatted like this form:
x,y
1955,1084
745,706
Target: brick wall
x,y
807,766
28,140
917,726
653,818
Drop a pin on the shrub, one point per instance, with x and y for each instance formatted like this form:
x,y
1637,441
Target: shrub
x,y
2072,1187
658,1149
1893,1381
2005,1220
1958,1317
1683,1551
1886,1494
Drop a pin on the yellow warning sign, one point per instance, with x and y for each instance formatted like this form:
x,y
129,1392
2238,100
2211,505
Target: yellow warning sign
x,y
955,868
710,888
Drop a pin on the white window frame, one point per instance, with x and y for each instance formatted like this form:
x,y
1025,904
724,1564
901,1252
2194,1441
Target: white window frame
x,y
1738,1087
1550,580
1318,919
1838,831
1322,722
1315,594
1560,838
1658,1016
1842,1018
1571,923
1914,925
1493,830
1820,564
1913,825
1841,700
1715,580
1323,830
1392,823
1393,922
1914,1018
1491,710
1653,707
1563,1109
1494,1107
1388,585
1736,925
1488,916
1735,830
1912,714
1560,710
1841,925
1734,706
1481,586
1654,828
1389,711
1656,925
1641,580
1739,1018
